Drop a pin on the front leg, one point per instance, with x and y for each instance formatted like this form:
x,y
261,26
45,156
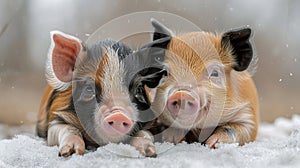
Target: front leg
x,y
231,133
67,137
143,142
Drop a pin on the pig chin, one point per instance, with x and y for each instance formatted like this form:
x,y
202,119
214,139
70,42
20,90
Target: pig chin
x,y
185,121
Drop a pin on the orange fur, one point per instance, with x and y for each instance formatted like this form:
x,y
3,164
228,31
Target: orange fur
x,y
52,102
42,123
196,50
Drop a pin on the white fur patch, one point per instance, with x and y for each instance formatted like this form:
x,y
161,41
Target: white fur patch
x,y
58,132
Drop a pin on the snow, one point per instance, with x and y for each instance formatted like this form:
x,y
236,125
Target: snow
x,y
278,145
9,131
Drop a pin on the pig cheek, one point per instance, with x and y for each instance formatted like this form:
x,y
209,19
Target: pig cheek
x,y
100,133
130,110
204,101
99,117
159,107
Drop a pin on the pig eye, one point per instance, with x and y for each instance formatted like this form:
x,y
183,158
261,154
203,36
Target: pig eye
x,y
88,93
89,89
214,73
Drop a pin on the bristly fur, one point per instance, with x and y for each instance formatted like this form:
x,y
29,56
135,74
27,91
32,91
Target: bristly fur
x,y
113,73
103,62
93,86
233,107
226,52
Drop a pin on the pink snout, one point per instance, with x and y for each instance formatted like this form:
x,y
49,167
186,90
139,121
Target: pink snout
x,y
182,103
118,122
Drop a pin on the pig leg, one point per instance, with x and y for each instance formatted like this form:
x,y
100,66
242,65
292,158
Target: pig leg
x,y
230,133
143,142
67,137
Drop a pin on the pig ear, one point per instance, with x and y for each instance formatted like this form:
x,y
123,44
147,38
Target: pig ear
x,y
241,47
64,50
153,77
154,54
150,71
160,44
148,78
156,71
160,30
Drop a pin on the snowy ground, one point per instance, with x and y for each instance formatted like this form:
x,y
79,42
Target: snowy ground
x,y
278,145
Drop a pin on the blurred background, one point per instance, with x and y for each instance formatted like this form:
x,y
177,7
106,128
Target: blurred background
x,y
24,42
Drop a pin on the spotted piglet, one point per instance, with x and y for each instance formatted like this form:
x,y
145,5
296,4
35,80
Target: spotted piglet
x,y
94,93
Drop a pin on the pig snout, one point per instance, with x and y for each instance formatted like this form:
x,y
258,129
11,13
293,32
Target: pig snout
x,y
117,122
182,103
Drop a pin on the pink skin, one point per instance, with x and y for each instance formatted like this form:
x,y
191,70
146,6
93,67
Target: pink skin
x,y
114,122
182,104
117,122
185,106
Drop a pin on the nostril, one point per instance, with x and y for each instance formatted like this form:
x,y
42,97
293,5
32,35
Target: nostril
x,y
125,124
117,123
175,103
182,103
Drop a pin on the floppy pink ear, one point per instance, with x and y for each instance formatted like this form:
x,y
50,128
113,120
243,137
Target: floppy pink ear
x,y
64,50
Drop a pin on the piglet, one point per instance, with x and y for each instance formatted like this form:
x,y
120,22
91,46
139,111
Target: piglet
x,y
209,96
94,93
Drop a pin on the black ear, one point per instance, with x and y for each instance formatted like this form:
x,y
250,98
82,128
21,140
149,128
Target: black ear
x,y
160,31
160,43
150,77
153,77
153,56
146,67
147,60
242,48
